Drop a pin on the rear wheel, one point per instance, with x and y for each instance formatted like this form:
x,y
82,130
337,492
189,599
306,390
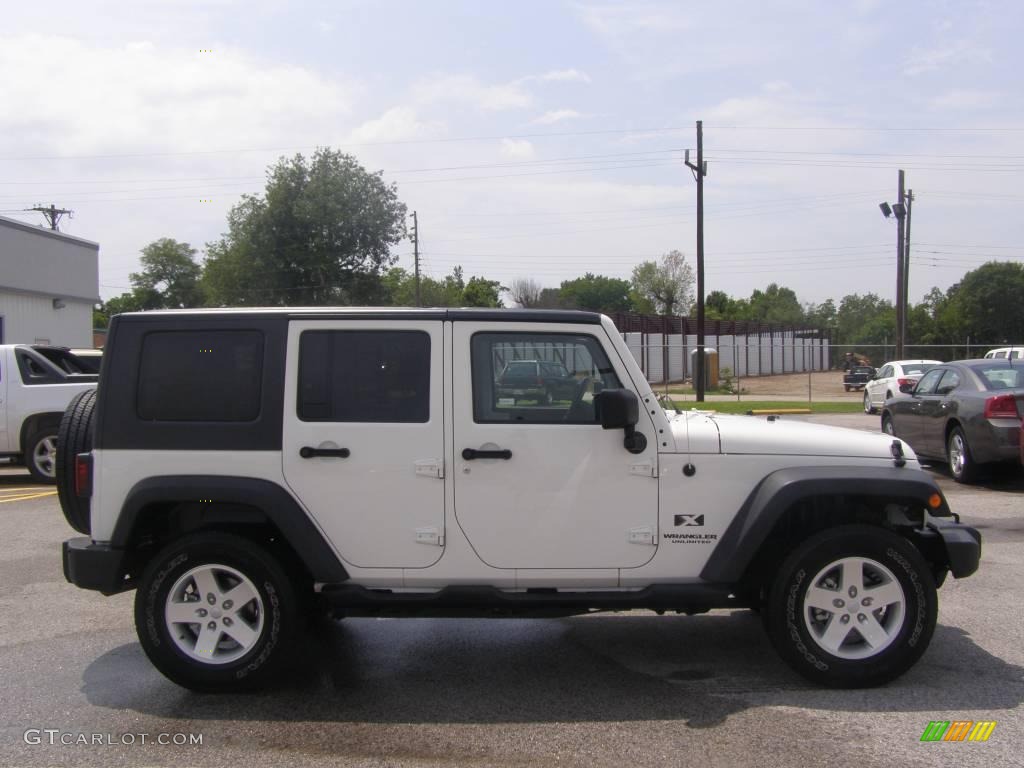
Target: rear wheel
x,y
215,612
853,607
41,452
961,463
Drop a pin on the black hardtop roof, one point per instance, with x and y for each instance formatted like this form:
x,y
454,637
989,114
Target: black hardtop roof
x,y
381,313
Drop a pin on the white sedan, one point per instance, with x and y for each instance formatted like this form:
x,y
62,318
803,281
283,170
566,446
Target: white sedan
x,y
890,377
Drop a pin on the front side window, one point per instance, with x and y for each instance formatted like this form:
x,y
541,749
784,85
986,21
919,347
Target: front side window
x,y
364,376
538,378
200,376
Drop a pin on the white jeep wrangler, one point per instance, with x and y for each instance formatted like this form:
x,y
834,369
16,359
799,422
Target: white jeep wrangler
x,y
243,468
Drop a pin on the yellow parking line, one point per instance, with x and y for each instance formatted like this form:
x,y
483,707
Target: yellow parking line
x,y
4,490
30,496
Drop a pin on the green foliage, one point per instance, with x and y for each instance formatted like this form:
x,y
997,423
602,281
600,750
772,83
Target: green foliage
x,y
775,304
986,305
170,272
480,292
321,234
667,286
596,293
399,289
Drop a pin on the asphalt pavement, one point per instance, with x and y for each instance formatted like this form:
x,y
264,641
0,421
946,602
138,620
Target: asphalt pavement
x,y
629,689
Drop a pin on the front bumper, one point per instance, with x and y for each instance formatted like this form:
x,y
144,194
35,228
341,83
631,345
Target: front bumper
x,y
95,566
962,545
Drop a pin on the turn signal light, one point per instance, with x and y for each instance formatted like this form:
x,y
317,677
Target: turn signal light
x,y
935,501
1001,407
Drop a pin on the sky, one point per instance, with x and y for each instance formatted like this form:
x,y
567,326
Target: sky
x,y
539,139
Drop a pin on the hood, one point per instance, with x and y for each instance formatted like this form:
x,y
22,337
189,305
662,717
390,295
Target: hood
x,y
725,433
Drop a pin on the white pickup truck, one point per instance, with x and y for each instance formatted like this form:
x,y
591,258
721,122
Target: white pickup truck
x,y
36,384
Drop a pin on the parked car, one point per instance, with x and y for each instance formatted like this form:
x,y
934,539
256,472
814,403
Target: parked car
x,y
538,380
966,413
34,391
363,461
890,377
1005,353
858,376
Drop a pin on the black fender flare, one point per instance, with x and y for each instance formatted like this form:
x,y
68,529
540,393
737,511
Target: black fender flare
x,y
276,503
778,491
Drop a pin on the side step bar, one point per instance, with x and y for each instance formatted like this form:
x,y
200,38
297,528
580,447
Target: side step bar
x,y
483,601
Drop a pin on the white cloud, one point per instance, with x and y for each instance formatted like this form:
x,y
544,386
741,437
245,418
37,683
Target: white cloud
x,y
520,149
141,96
557,116
396,124
922,60
468,89
562,76
965,99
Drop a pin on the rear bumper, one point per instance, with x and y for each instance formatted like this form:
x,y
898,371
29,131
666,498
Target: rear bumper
x,y
95,566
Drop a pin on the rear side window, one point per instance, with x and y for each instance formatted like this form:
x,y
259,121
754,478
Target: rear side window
x,y
950,381
927,384
364,376
200,376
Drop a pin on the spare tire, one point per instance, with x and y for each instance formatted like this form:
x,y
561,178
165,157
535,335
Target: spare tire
x,y
74,437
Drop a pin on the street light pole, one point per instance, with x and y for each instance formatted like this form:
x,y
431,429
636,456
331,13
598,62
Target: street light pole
x,y
900,209
700,170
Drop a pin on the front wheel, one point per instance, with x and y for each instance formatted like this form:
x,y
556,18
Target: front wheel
x,y
887,425
215,612
853,607
868,407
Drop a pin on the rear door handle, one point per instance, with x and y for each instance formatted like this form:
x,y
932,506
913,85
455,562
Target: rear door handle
x,y
472,453
307,452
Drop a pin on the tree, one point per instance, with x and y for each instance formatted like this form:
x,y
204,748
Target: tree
x,y
596,293
169,271
667,286
482,293
775,304
525,292
321,233
985,305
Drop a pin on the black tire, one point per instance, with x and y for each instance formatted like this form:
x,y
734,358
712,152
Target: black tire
x,y
887,426
275,609
909,631
40,451
963,470
74,436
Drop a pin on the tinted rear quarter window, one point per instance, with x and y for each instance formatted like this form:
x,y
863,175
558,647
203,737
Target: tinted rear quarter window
x,y
364,376
200,376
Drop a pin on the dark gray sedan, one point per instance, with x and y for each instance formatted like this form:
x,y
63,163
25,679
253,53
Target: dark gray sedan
x,y
966,413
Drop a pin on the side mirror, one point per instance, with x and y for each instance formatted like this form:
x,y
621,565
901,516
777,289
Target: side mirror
x,y
908,387
620,409
617,408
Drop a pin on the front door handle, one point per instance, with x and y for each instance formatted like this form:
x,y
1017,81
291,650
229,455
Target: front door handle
x,y
472,453
307,452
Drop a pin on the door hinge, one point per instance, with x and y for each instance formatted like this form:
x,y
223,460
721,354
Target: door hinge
x,y
644,468
429,536
643,535
430,468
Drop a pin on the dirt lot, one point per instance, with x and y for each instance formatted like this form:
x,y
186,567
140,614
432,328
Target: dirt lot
x,y
825,385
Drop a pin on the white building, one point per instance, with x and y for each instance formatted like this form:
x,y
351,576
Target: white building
x,y
49,282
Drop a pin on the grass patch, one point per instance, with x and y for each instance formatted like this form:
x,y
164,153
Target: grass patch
x,y
732,406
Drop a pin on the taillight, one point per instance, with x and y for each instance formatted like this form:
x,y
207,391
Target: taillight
x,y
83,475
1001,407
905,382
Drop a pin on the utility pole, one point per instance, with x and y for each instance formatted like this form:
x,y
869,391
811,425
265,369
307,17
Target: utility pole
x,y
906,264
416,254
900,214
700,170
53,214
